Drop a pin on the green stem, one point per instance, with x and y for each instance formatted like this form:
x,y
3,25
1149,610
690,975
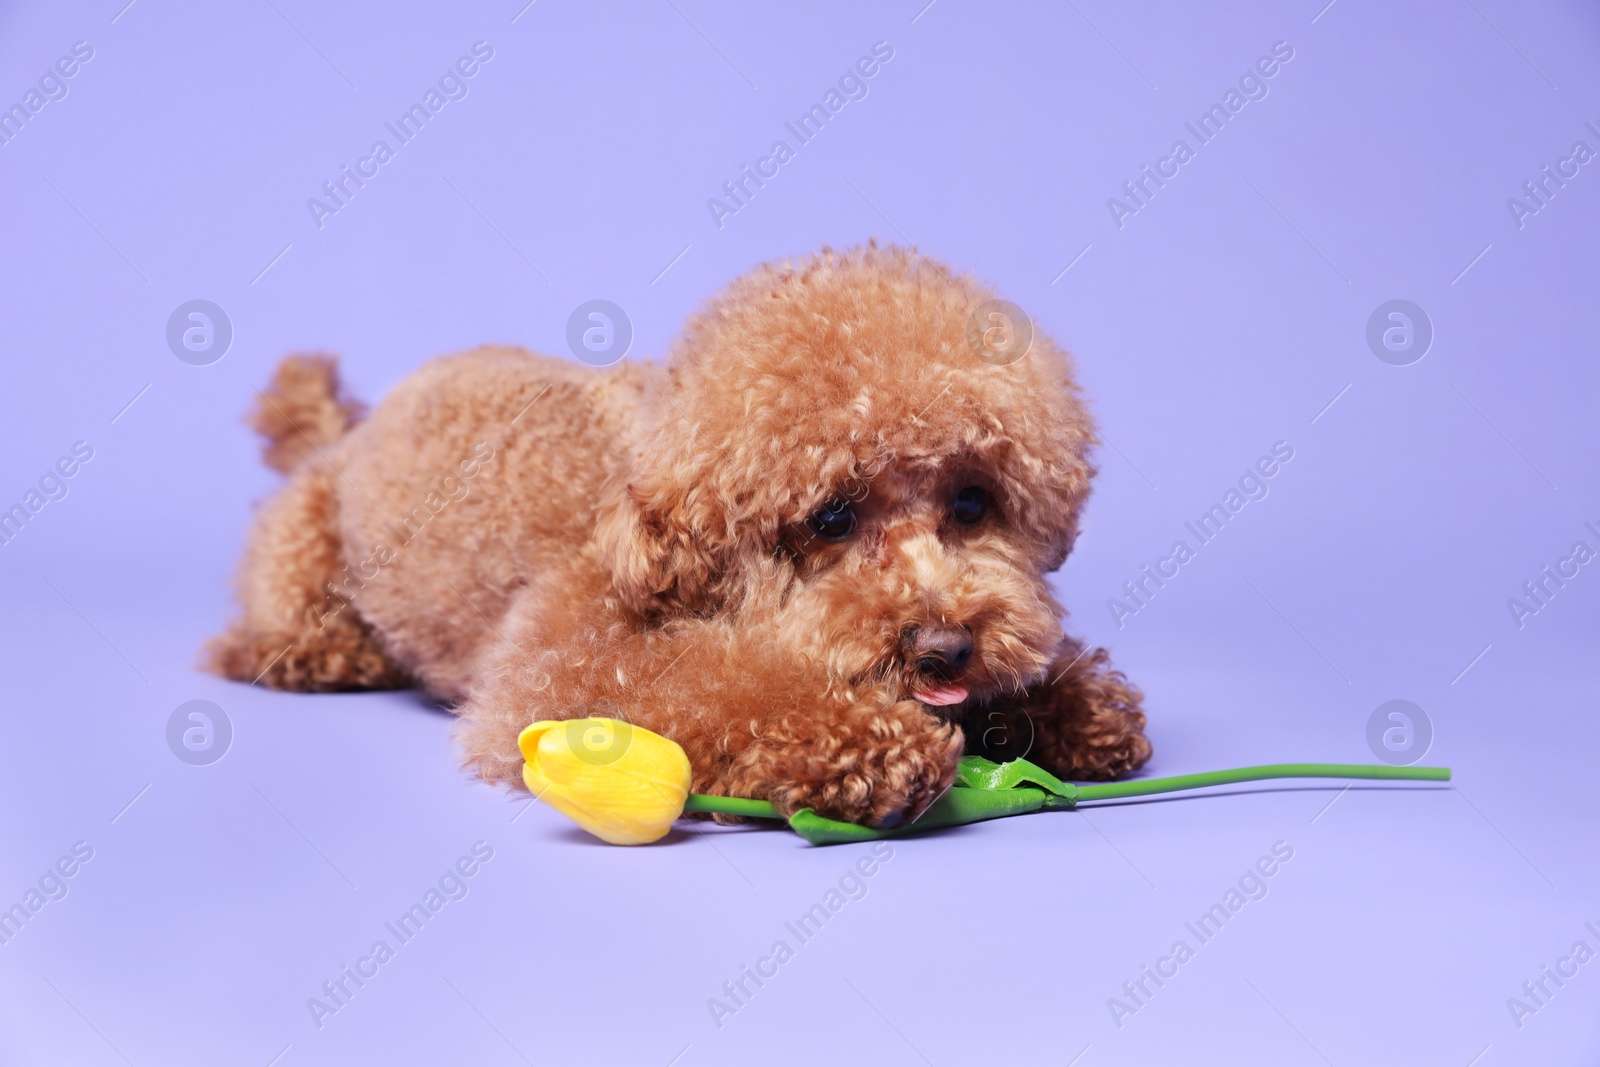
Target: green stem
x,y
762,809
1147,786
755,809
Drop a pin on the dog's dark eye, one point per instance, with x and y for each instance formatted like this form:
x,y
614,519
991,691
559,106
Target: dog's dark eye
x,y
970,505
834,522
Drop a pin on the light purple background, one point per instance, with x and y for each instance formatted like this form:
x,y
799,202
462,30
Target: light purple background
x,y
1227,315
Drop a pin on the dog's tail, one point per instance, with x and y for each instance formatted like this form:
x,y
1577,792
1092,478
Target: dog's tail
x,y
304,410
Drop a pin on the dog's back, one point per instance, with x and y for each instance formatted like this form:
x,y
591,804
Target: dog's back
x,y
402,538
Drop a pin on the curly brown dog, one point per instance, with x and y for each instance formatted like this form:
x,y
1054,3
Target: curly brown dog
x,y
811,546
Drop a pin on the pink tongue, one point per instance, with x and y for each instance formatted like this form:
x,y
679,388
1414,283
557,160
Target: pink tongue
x,y
942,696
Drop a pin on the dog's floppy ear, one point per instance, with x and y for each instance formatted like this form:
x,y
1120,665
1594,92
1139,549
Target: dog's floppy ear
x,y
666,544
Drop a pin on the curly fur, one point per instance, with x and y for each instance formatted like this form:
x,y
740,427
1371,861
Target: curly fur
x,y
304,408
528,538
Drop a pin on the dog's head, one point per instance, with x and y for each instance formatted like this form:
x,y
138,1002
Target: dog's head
x,y
876,457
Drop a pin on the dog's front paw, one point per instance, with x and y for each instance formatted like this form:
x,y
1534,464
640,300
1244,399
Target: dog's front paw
x,y
1093,745
1099,758
1086,722
877,766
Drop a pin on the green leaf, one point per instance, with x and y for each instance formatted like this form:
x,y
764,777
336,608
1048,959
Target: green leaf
x,y
975,772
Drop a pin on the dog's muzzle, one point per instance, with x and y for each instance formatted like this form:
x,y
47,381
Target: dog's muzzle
x,y
940,653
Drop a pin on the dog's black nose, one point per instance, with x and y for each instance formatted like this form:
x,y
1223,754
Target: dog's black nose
x,y
944,649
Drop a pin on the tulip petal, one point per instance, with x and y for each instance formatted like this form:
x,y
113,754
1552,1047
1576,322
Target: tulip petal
x,y
622,783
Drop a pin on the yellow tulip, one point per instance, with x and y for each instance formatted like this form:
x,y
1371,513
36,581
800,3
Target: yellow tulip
x,y
622,783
